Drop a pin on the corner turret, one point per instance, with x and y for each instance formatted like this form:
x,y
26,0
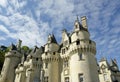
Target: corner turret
x,y
12,59
51,45
80,32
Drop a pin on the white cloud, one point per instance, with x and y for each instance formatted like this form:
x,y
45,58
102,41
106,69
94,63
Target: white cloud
x,y
4,29
25,21
3,3
2,38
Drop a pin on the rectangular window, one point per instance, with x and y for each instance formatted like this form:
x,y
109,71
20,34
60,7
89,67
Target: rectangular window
x,y
80,56
66,63
46,65
80,77
77,42
66,79
63,51
45,79
105,77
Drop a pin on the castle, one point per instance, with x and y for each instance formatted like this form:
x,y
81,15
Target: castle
x,y
73,60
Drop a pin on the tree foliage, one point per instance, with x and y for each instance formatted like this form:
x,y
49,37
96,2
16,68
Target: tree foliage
x,y
2,55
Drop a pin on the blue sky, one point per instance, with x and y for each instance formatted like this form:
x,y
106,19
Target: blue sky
x,y
32,21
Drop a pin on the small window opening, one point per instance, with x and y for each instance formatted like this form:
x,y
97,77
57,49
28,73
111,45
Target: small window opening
x,y
66,79
77,42
53,53
80,56
80,77
45,79
36,59
46,65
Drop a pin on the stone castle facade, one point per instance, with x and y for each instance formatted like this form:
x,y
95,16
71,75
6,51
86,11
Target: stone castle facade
x,y
71,61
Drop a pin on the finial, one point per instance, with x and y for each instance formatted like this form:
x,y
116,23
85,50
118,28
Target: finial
x,y
77,18
64,30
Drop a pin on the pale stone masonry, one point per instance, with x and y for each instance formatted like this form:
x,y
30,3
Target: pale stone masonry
x,y
73,60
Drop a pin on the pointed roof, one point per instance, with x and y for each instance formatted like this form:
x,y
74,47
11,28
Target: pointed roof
x,y
51,39
77,20
113,66
113,62
13,47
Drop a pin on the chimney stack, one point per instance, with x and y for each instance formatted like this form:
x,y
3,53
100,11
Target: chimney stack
x,y
84,22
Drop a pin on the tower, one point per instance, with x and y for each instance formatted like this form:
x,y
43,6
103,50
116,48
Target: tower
x,y
78,55
50,59
30,69
12,59
108,72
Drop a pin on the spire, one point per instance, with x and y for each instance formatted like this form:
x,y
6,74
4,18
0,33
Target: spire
x,y
77,18
103,59
13,47
77,24
114,66
113,62
51,39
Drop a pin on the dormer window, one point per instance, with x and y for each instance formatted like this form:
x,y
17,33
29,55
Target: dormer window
x,y
103,67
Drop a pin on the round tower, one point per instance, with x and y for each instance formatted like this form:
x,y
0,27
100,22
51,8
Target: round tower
x,y
79,64
12,59
50,59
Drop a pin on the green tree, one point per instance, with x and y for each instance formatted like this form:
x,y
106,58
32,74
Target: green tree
x,y
25,49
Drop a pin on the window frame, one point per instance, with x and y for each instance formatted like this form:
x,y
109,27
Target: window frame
x,y
67,79
80,77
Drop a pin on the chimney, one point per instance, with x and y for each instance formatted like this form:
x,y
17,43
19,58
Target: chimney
x,y
19,44
84,22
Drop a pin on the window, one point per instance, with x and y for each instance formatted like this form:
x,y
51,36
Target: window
x,y
77,42
65,43
45,53
80,56
77,33
90,41
45,79
65,63
46,65
105,77
53,53
104,70
80,77
113,78
63,51
66,79
36,59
